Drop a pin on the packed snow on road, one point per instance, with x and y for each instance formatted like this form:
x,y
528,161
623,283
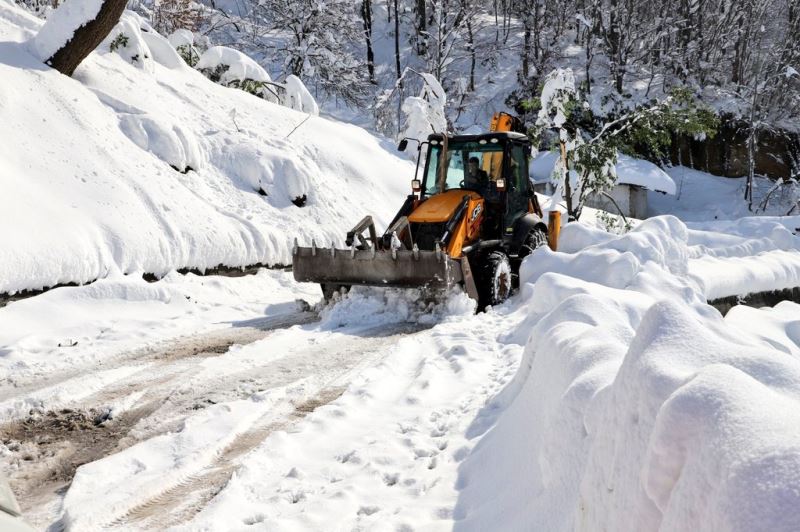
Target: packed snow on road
x,y
140,389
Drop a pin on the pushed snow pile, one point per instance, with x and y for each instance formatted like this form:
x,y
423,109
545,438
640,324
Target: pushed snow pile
x,y
123,168
639,409
722,259
367,306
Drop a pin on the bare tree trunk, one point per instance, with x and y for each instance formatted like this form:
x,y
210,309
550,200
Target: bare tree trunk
x,y
397,39
87,37
422,28
471,43
366,15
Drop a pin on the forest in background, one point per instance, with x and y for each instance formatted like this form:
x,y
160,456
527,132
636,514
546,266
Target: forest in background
x,y
360,58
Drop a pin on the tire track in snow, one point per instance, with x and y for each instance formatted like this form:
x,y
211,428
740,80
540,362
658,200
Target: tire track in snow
x,y
326,356
184,500
180,502
160,353
46,446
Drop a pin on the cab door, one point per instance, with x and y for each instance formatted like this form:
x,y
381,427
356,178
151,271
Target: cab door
x,y
517,185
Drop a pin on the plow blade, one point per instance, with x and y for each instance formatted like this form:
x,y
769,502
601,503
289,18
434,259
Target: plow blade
x,y
399,268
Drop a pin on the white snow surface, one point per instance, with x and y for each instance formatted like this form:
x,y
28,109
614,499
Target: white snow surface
x,y
92,170
298,97
240,66
608,370
629,170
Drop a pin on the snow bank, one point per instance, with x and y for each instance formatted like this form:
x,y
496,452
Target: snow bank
x,y
239,66
297,96
739,276
752,255
124,169
638,409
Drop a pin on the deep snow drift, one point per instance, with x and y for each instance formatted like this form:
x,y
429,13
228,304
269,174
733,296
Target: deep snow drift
x,y
92,169
637,407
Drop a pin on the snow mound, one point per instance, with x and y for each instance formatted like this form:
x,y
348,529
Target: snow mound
x,y
169,142
239,66
297,96
367,306
640,408
276,171
91,161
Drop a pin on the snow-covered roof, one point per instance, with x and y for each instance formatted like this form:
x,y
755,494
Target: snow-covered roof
x,y
630,171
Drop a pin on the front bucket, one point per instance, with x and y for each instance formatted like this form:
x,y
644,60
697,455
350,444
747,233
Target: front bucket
x,y
400,268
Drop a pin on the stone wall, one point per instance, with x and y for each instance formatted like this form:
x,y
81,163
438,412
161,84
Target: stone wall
x,y
777,153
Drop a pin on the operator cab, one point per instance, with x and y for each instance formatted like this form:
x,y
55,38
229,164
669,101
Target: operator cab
x,y
501,176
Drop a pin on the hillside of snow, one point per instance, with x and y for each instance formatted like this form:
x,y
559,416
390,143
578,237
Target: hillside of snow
x,y
151,169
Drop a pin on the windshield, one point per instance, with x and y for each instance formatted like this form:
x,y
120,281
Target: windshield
x,y
470,165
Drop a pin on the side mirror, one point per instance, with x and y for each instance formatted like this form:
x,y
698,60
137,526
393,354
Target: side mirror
x,y
403,145
416,186
500,184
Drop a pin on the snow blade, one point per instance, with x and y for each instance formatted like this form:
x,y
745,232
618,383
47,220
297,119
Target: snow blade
x,y
396,268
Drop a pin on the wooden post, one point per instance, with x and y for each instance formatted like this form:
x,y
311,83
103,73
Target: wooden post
x,y
553,229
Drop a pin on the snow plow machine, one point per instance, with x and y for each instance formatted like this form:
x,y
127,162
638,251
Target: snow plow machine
x,y
470,220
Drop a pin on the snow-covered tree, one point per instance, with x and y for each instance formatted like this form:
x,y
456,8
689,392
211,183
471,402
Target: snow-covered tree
x,y
73,30
319,42
588,159
424,114
232,68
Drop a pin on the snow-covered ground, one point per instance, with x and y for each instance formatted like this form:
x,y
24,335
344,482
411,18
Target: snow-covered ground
x,y
605,395
121,169
701,197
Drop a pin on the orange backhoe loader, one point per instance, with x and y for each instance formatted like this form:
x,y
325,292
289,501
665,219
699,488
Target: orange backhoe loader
x,y
470,220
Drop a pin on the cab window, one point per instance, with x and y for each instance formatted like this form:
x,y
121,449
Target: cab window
x,y
458,171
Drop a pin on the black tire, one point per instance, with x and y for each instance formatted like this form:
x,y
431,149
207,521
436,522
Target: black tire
x,y
536,238
495,281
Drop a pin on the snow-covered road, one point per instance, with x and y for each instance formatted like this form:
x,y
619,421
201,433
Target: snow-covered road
x,y
147,370
203,403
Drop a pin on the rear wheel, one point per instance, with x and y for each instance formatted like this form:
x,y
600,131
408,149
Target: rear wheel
x,y
495,279
537,238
